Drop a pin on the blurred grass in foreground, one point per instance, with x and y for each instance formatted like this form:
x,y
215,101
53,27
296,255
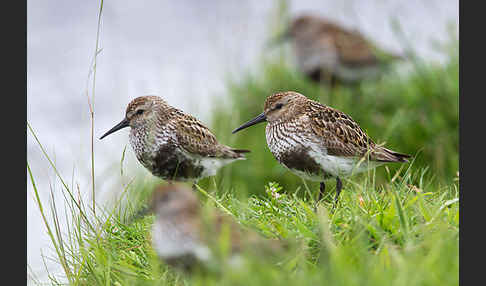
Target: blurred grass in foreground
x,y
402,235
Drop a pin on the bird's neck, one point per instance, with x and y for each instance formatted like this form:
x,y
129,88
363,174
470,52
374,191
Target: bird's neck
x,y
142,139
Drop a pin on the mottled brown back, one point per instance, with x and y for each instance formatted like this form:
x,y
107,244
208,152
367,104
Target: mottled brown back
x,y
342,136
196,138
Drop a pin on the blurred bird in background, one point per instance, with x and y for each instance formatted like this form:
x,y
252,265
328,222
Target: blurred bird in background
x,y
328,53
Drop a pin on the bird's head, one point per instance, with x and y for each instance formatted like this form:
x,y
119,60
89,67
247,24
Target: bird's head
x,y
279,107
139,112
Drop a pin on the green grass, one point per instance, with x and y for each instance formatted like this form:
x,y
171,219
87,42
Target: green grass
x,y
399,234
396,225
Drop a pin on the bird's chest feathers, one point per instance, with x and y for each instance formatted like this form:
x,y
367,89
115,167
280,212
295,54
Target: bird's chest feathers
x,y
291,149
161,154
146,144
307,158
283,137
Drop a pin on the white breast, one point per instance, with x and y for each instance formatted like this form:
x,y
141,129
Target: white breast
x,y
312,54
170,242
146,144
281,140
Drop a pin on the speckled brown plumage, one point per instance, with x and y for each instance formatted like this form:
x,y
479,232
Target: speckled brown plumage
x,y
190,133
316,141
171,144
336,131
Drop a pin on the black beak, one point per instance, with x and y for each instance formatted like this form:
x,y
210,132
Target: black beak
x,y
122,124
258,119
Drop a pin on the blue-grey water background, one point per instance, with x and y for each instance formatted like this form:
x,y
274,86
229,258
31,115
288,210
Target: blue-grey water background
x,y
180,50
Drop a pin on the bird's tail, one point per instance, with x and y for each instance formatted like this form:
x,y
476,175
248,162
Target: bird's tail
x,y
386,57
387,155
240,152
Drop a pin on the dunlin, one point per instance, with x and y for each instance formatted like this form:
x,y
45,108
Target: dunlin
x,y
173,145
318,142
184,234
331,53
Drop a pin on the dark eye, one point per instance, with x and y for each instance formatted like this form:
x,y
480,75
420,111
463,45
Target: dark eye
x,y
140,111
278,106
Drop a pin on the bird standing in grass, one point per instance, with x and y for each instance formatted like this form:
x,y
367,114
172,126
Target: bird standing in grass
x,y
173,145
184,235
318,142
333,54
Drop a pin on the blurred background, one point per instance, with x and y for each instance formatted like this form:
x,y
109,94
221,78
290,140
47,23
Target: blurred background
x,y
210,59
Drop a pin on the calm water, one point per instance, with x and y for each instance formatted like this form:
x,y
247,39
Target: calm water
x,y
180,50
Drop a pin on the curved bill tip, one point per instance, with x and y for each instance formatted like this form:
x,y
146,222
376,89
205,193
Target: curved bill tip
x,y
122,124
260,118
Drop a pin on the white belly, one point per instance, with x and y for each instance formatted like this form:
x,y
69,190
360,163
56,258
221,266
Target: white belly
x,y
341,166
212,165
170,242
282,141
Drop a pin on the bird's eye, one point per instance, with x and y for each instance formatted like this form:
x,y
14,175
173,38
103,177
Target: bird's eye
x,y
279,106
140,111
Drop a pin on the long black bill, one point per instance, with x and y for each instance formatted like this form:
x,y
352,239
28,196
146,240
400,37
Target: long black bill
x,y
258,119
122,124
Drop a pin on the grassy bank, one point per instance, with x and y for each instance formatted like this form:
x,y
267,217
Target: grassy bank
x,y
396,225
401,234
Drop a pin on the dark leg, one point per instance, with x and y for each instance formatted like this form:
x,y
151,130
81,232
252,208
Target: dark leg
x,y
339,186
321,191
